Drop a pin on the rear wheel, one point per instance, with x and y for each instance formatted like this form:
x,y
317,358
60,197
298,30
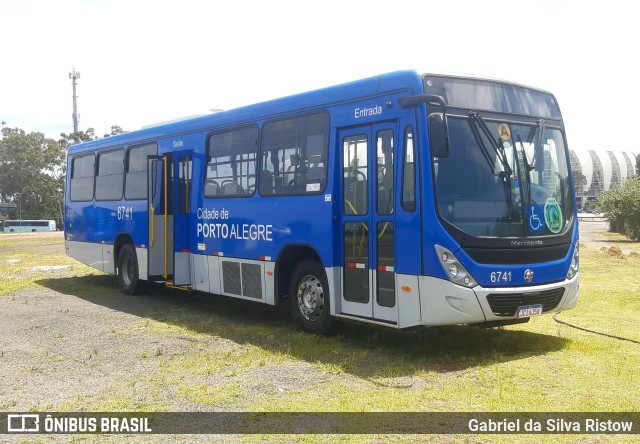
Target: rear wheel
x,y
309,299
128,275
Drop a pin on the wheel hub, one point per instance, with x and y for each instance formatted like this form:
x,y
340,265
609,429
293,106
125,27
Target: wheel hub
x,y
310,297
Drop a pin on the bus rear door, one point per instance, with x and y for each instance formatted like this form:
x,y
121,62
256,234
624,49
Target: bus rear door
x,y
182,211
368,257
160,206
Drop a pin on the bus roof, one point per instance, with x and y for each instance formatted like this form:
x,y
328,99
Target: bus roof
x,y
394,81
299,102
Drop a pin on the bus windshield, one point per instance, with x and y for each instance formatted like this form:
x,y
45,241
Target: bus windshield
x,y
504,179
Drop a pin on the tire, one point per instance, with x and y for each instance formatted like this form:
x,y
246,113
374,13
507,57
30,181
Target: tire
x,y
128,275
309,298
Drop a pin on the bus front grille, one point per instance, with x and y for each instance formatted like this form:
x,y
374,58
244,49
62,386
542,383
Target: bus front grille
x,y
506,304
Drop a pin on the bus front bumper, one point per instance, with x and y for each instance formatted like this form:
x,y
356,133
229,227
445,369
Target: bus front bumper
x,y
445,303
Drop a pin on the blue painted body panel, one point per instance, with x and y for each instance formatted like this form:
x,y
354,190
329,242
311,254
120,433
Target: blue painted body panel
x,y
313,220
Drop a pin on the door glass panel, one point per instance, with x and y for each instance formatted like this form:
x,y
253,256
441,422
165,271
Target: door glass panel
x,y
386,291
384,155
161,191
184,184
355,175
408,172
156,178
356,258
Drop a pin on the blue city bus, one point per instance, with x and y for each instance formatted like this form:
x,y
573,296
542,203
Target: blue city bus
x,y
404,200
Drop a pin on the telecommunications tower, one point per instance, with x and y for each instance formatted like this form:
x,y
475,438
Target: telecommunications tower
x,y
74,76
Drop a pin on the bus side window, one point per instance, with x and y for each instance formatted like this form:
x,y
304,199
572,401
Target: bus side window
x,y
409,172
82,174
231,163
110,179
294,156
136,176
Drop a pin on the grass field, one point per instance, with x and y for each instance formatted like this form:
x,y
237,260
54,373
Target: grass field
x,y
250,357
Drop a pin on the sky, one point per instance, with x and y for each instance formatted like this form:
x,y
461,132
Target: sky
x,y
142,62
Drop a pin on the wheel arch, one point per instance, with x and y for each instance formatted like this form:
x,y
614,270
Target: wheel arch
x,y
122,239
288,258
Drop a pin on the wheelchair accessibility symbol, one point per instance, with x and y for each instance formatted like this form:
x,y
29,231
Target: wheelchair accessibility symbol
x,y
536,221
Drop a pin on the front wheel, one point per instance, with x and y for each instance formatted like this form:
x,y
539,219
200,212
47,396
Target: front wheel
x,y
309,299
128,275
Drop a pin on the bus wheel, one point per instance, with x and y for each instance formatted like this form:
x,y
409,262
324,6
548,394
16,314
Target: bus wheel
x,y
128,275
309,298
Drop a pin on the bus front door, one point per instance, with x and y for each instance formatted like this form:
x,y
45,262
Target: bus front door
x,y
368,257
160,206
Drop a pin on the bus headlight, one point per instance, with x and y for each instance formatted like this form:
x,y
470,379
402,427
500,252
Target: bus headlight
x,y
575,264
454,269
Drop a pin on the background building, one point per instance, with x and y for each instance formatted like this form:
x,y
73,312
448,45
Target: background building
x,y
598,170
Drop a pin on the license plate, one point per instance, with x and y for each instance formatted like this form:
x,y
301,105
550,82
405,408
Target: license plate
x,y
528,311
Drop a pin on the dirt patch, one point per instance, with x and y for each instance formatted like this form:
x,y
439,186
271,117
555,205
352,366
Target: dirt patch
x,y
70,341
595,234
65,352
592,233
613,252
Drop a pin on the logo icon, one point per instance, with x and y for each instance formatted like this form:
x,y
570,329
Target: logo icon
x,y
504,132
536,225
553,215
23,423
528,275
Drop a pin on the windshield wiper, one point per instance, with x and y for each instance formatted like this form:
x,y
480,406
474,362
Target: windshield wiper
x,y
497,148
540,127
527,169
505,175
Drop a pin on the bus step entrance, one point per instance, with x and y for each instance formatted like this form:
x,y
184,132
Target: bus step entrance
x,y
169,284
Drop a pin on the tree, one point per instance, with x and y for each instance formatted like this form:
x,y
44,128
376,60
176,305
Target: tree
x,y
115,130
621,205
66,140
32,169
580,180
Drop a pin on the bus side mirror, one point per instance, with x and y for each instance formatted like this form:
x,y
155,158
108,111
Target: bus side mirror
x,y
438,135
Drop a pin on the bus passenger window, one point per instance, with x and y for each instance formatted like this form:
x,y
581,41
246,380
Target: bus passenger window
x,y
231,163
82,173
136,176
110,179
294,156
